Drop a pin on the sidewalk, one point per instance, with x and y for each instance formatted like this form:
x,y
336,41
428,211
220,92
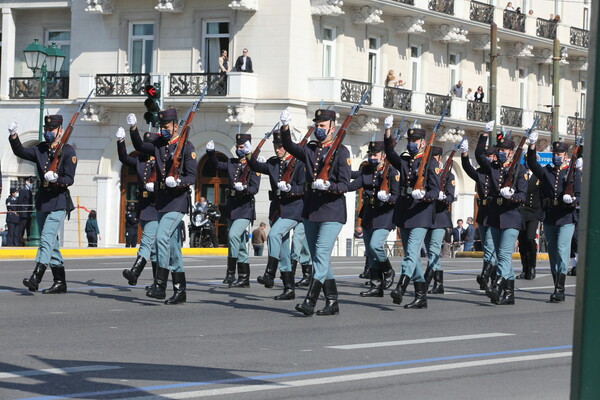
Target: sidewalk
x,y
28,253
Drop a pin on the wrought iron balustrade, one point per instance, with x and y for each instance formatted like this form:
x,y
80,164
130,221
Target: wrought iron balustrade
x,y
398,99
545,121
511,116
580,37
514,21
545,28
353,91
575,126
409,2
29,88
481,12
478,111
443,6
192,84
112,85
435,104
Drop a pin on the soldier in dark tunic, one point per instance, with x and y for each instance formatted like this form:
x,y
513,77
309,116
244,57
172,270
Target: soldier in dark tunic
x,y
12,218
531,215
131,226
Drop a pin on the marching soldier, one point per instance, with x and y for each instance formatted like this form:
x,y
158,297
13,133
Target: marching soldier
x,y
131,226
559,207
172,201
146,210
324,210
240,206
53,200
12,218
504,218
413,213
285,214
531,215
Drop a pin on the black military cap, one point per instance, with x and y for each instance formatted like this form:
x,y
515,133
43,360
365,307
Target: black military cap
x,y
13,190
375,146
150,137
168,115
241,138
277,138
324,115
416,134
505,144
53,121
560,147
436,151
490,151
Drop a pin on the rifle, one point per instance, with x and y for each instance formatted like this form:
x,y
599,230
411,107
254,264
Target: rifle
x,y
66,135
339,137
183,137
385,182
287,175
246,171
576,154
422,172
448,165
512,169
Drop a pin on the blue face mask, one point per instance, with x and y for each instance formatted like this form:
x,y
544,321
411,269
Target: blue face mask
x,y
49,136
166,133
240,153
557,160
320,134
374,162
413,148
501,157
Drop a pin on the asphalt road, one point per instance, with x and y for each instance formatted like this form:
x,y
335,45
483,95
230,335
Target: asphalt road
x,y
106,340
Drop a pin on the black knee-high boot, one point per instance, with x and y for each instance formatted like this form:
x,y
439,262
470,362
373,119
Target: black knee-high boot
x,y
230,275
60,282
243,279
159,288
33,282
268,278
288,286
438,282
331,297
134,273
420,300
398,293
307,307
306,274
179,284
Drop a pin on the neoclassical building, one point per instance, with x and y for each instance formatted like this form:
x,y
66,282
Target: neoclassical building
x,y
305,53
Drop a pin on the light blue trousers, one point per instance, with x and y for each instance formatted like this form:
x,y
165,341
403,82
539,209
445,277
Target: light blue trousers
x,y
412,239
433,243
559,246
375,245
278,240
321,237
504,243
487,243
238,239
147,248
49,225
168,244
300,251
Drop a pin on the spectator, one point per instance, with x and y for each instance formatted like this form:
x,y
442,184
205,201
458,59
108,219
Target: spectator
x,y
530,13
358,232
470,95
131,226
518,10
12,218
244,63
551,17
458,235
390,79
457,89
3,233
557,19
470,237
25,203
509,7
91,230
259,237
224,62
479,94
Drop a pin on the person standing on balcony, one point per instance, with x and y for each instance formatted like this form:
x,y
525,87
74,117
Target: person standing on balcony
x,y
457,90
509,7
469,96
224,62
244,63
390,79
479,95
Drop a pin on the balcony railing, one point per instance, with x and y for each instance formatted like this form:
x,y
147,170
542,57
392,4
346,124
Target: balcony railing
x,y
481,12
478,111
353,91
409,2
514,21
580,37
545,121
545,28
435,104
193,84
29,88
575,126
511,116
108,85
443,6
398,99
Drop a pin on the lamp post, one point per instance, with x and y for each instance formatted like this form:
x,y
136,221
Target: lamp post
x,y
43,59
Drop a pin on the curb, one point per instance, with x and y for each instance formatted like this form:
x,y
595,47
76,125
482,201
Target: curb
x,y
19,253
479,254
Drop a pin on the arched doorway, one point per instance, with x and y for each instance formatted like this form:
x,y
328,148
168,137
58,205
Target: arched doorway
x,y
129,194
211,184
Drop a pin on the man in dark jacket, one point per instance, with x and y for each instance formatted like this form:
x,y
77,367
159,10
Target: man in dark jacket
x,y
244,63
25,203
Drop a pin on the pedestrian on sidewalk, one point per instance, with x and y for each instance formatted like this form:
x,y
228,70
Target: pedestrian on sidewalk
x,y
91,230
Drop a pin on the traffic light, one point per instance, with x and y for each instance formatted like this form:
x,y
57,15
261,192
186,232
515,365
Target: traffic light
x,y
152,104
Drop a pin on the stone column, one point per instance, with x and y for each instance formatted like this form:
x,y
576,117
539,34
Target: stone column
x,y
7,69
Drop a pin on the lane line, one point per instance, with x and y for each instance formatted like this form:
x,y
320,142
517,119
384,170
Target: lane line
x,y
56,371
419,341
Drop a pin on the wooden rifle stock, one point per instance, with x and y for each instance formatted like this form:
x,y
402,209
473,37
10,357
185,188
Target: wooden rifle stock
x,y
570,175
385,182
246,171
422,172
287,175
512,169
446,170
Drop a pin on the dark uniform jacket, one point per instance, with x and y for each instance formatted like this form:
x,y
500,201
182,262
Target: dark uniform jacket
x,y
504,213
482,188
240,205
12,210
321,205
50,196
283,204
442,217
552,182
374,213
168,199
411,213
25,202
531,210
146,207
131,221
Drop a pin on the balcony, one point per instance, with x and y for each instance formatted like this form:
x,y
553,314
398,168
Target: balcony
x,y
397,99
580,37
481,12
435,104
511,116
443,6
121,85
575,126
29,88
544,122
353,91
190,84
545,28
408,2
514,21
477,111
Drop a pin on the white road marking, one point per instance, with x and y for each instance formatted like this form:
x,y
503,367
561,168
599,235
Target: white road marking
x,y
418,341
56,371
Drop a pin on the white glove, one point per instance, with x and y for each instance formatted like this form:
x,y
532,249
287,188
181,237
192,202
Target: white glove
x,y
533,137
417,194
172,182
261,159
442,196
12,128
51,176
120,133
579,164
320,184
464,146
131,120
149,187
285,118
384,196
239,186
247,147
507,192
568,199
489,126
210,146
388,122
284,186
